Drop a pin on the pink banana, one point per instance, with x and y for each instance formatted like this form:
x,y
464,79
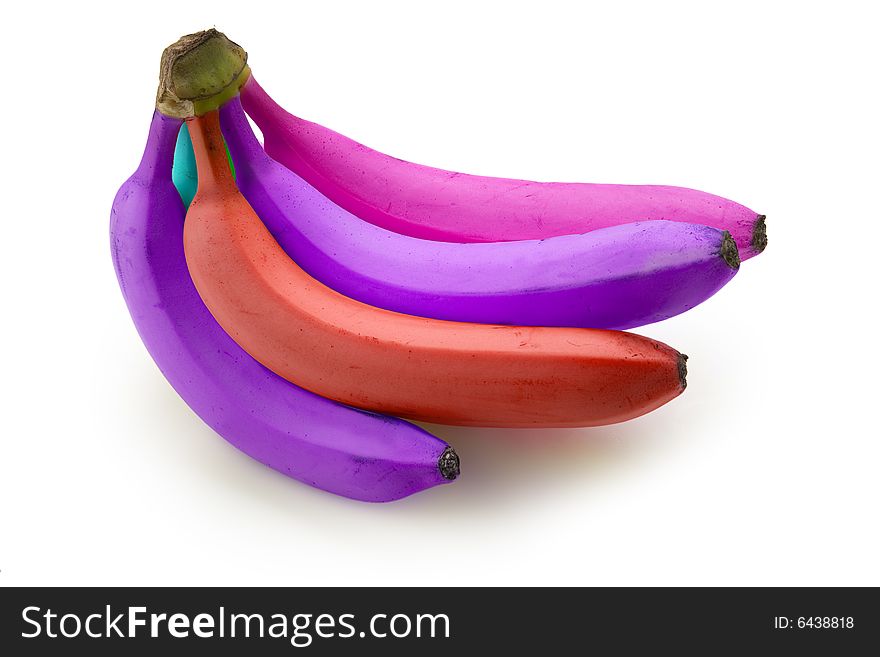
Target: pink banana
x,y
430,203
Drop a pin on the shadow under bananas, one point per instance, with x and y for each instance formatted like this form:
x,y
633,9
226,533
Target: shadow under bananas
x,y
506,466
500,467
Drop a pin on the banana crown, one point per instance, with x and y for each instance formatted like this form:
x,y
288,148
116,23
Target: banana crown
x,y
198,73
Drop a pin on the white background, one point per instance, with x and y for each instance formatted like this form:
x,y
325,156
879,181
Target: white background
x,y
764,472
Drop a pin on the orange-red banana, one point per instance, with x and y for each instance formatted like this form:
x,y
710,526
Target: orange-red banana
x,y
424,369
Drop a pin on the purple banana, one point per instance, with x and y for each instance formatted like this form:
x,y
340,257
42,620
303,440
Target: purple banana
x,y
617,278
349,452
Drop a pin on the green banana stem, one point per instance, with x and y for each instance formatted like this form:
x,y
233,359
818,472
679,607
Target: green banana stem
x,y
200,72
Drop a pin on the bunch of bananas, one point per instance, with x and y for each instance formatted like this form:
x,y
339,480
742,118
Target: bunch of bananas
x,y
303,294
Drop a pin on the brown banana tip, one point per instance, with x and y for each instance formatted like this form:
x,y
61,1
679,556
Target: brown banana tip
x,y
683,370
449,464
729,251
759,234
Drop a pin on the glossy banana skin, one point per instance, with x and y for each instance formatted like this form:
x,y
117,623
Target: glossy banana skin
x,y
184,173
425,369
435,204
617,278
338,449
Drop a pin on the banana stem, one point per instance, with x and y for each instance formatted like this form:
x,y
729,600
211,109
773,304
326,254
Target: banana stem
x,y
212,163
198,73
